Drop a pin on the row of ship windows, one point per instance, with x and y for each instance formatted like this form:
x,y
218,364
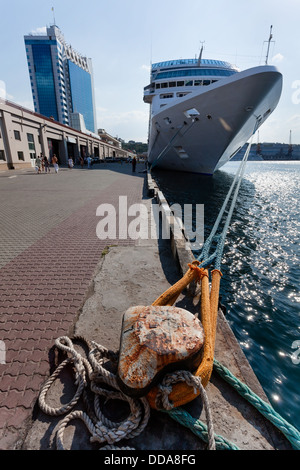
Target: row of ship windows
x,y
171,95
184,83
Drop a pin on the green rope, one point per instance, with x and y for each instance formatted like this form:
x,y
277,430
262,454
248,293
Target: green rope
x,y
200,429
290,432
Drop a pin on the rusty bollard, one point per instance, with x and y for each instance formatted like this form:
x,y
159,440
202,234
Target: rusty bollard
x,y
156,340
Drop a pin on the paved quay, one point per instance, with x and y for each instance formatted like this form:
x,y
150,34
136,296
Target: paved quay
x,y
58,278
48,254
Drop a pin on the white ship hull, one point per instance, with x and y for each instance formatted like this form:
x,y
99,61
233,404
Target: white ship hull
x,y
229,111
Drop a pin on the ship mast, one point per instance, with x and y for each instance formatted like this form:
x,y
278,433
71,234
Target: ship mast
x,y
269,42
200,55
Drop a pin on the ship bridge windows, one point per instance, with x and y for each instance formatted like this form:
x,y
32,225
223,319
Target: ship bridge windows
x,y
194,72
169,84
181,83
193,62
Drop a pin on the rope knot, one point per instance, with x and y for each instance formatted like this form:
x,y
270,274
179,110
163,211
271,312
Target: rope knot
x,y
165,388
200,272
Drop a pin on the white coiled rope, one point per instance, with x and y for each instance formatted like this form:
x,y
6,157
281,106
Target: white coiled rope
x,y
92,373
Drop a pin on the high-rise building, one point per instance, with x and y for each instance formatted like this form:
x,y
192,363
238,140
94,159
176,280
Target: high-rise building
x,y
61,80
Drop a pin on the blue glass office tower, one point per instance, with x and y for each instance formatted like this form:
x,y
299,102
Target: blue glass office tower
x,y
61,79
81,93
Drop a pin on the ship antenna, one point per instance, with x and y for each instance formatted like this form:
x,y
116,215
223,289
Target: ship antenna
x,y
200,55
269,42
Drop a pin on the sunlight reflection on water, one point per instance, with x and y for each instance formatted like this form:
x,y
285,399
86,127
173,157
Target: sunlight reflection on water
x,y
260,284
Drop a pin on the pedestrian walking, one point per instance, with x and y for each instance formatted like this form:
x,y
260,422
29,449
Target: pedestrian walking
x,y
70,162
46,164
38,164
42,162
133,164
89,160
55,163
81,162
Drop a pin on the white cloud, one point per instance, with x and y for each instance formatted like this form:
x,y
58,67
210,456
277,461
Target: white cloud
x,y
128,125
40,30
277,58
3,93
125,116
2,90
26,104
146,67
294,121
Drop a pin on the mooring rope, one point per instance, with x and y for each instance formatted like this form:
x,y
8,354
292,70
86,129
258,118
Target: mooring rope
x,y
291,433
165,389
91,373
199,428
204,257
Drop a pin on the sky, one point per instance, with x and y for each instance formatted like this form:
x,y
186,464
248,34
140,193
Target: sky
x,y
123,37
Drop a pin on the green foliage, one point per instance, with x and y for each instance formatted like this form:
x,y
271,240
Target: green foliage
x,y
137,147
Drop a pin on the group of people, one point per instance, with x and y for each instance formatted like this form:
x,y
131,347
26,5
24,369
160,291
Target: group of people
x,y
86,161
42,164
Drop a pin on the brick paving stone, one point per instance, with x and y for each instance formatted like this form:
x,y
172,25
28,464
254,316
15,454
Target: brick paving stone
x,y
48,255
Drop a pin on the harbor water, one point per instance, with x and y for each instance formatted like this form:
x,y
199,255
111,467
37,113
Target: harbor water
x,y
260,267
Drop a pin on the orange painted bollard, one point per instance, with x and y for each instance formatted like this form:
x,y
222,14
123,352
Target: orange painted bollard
x,y
148,349
155,340
181,392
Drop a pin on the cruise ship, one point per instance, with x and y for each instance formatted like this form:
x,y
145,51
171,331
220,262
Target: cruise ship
x,y
203,111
